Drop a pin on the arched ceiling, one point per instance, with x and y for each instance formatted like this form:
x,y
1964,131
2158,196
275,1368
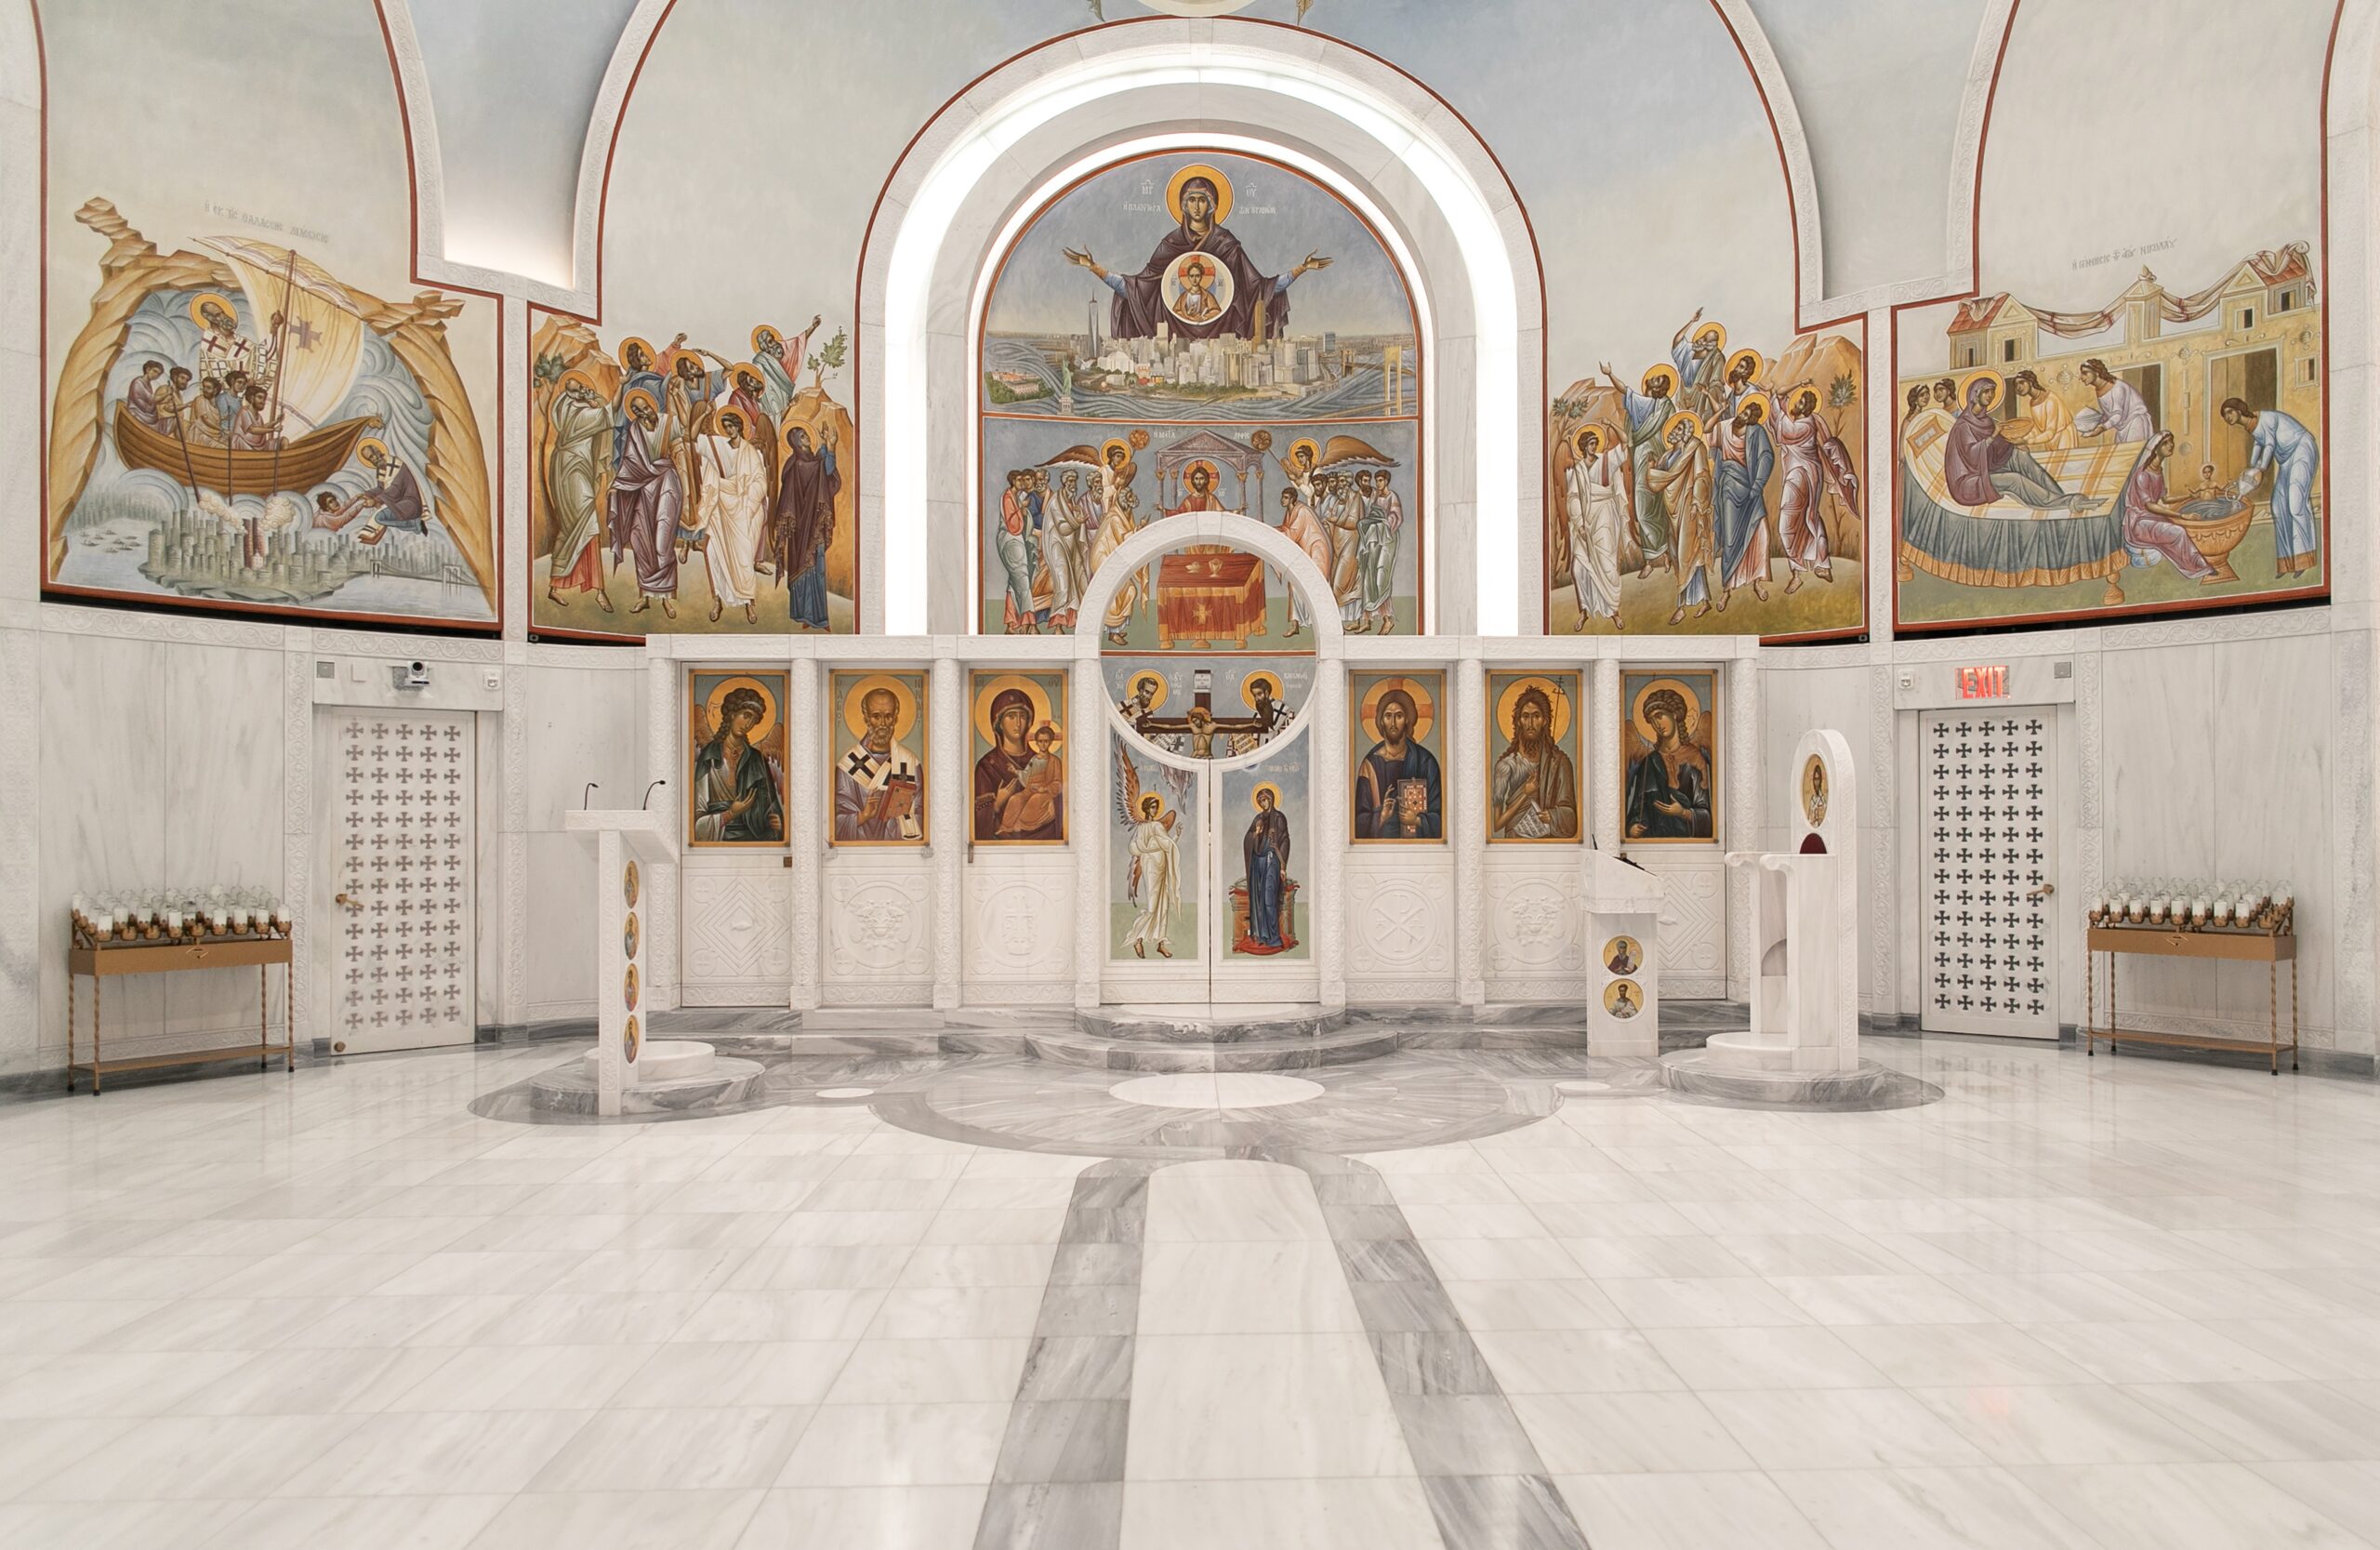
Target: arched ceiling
x,y
1878,85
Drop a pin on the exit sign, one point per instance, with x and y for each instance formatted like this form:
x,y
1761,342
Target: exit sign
x,y
1981,682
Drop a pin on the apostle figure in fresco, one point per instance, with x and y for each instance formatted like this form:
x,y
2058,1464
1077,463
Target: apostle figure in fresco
x,y
1259,305
1020,784
1376,532
2280,445
1801,525
1341,513
1388,806
738,790
1595,497
638,375
1153,882
582,429
1649,413
1533,788
801,527
1669,784
1115,526
1265,853
1301,527
735,500
644,504
1067,523
780,365
1682,477
1701,363
879,781
1745,461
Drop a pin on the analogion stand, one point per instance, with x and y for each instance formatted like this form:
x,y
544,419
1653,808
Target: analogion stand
x,y
627,844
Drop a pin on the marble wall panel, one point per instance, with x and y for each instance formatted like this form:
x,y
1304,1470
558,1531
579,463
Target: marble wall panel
x,y
878,929
2269,812
2162,795
1018,923
1400,925
1534,926
735,931
218,786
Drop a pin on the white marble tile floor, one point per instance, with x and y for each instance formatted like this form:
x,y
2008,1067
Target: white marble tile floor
x,y
2098,1304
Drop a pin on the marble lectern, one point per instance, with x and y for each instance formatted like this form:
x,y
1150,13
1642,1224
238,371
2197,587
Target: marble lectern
x,y
1623,933
1805,926
627,844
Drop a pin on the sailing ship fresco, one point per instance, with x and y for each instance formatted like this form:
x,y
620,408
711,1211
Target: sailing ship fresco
x,y
236,425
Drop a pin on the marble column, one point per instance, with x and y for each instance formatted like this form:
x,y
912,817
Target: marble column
x,y
947,779
1088,772
806,833
1328,744
665,713
1466,813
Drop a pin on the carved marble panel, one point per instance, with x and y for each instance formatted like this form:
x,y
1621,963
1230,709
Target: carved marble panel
x,y
1400,926
880,930
736,932
1019,929
1535,929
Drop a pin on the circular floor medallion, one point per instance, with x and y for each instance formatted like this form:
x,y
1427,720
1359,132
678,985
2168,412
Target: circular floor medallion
x,y
1222,1090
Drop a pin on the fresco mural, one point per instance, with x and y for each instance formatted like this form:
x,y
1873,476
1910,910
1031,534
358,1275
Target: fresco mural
x,y
735,772
1716,491
1532,753
675,488
877,787
1019,791
2130,415
1669,742
1226,373
235,426
1152,870
1396,746
1268,803
2163,450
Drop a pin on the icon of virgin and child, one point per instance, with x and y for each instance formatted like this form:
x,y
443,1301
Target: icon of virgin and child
x,y
1198,283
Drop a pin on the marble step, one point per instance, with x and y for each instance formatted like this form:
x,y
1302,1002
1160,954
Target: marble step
x,y
1105,1052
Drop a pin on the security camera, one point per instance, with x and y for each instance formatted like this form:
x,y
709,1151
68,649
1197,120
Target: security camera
x,y
413,675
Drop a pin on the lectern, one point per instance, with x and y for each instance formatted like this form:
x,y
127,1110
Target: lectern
x,y
1623,935
629,844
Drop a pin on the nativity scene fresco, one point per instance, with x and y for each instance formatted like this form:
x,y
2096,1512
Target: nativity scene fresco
x,y
675,487
236,426
1262,359
2161,452
1718,491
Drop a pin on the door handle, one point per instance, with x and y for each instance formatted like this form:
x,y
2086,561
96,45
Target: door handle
x,y
350,902
2035,894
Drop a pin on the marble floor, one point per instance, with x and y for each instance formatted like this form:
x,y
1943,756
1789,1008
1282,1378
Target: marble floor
x,y
924,1300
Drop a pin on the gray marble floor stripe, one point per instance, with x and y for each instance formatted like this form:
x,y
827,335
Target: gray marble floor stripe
x,y
1059,1484
1485,1484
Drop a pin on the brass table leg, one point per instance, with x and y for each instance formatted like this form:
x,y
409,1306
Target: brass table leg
x,y
70,1031
264,1019
96,985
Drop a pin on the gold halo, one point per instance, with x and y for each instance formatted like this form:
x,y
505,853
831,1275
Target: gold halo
x,y
578,374
904,704
1561,724
1308,446
1110,444
1758,365
631,1040
1694,709
1214,474
371,444
1813,769
628,886
1163,688
1603,436
1683,416
1611,997
1424,713
1147,797
628,988
644,396
1646,382
742,369
629,936
1768,407
1710,326
988,690
1247,688
762,331
221,300
1198,169
768,721
621,354
1262,786
1971,379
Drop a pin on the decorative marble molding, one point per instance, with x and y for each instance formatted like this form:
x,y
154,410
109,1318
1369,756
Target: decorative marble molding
x,y
20,892
298,826
1467,813
953,762
664,711
806,832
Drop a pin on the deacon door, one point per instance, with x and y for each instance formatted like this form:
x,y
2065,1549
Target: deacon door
x,y
1987,790
396,906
